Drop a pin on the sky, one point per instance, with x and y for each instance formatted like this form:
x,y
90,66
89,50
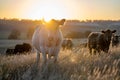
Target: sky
x,y
58,9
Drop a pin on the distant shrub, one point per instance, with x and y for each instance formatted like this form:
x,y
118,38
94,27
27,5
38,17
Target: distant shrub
x,y
14,34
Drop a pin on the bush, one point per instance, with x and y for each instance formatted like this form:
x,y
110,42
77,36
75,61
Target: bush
x,y
14,34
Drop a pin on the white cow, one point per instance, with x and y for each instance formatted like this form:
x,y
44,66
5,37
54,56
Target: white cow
x,y
47,39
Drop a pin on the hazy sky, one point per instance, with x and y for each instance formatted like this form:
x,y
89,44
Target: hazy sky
x,y
70,9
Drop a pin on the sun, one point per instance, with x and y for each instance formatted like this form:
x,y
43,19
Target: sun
x,y
46,10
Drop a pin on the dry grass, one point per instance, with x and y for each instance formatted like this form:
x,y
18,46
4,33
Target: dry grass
x,y
73,65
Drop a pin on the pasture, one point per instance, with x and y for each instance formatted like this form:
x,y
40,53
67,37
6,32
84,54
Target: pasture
x,y
77,64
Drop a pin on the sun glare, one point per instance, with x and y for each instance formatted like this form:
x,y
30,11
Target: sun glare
x,y
57,9
46,11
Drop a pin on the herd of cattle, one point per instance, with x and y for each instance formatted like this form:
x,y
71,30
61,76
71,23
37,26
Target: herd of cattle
x,y
48,39
66,44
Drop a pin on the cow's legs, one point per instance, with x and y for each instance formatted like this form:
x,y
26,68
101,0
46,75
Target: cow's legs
x,y
106,50
38,58
95,51
44,56
90,51
50,51
56,54
49,56
99,51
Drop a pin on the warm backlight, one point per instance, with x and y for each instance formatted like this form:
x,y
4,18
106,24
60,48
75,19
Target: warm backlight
x,y
46,11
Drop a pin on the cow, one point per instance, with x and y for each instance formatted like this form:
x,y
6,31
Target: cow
x,y
9,51
100,41
27,47
22,48
18,48
115,40
67,44
47,39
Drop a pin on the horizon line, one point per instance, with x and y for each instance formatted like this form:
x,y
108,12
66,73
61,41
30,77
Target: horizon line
x,y
7,18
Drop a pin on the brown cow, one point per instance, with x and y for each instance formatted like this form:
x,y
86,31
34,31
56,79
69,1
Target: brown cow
x,y
100,41
67,44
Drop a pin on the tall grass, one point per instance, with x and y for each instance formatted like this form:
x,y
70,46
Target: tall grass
x,y
72,65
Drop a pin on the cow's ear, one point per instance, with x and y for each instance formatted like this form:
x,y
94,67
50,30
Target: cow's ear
x,y
113,31
103,31
53,21
62,22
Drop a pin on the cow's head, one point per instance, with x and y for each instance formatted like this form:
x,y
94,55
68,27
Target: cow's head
x,y
54,24
108,34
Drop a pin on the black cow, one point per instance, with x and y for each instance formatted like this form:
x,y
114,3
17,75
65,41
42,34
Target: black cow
x,y
21,48
9,51
115,40
100,41
27,47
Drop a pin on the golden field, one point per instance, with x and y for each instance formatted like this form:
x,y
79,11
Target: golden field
x,y
76,64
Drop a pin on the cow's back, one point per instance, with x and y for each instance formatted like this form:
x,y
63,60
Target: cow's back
x,y
27,47
93,38
18,48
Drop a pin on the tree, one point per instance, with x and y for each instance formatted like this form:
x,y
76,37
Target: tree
x,y
14,34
